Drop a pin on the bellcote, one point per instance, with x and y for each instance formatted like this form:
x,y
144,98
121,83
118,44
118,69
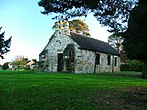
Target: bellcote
x,y
62,25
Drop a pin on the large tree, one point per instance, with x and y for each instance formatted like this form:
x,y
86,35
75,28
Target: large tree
x,y
4,44
135,42
112,13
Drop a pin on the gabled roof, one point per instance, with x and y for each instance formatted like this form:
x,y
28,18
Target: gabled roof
x,y
92,44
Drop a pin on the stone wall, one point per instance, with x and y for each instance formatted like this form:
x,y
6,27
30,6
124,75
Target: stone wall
x,y
104,67
57,44
85,61
43,60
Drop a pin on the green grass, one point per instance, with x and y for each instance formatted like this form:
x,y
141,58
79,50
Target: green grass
x,y
25,90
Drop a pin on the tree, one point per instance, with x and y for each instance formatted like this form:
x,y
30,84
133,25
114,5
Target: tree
x,y
78,26
20,62
135,42
112,13
4,44
5,66
116,40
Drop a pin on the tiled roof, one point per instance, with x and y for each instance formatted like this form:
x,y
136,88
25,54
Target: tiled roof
x,y
92,44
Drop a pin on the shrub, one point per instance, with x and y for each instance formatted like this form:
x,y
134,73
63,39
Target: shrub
x,y
132,65
135,65
124,67
5,66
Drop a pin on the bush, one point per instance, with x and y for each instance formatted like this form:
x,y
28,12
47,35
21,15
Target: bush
x,y
124,67
5,66
135,65
132,65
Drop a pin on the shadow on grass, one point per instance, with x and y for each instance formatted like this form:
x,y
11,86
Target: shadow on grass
x,y
132,98
122,73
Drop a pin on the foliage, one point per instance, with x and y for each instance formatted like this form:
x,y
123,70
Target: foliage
x,y
4,44
124,67
135,42
114,13
135,37
135,65
79,26
132,65
5,66
20,63
116,41
54,91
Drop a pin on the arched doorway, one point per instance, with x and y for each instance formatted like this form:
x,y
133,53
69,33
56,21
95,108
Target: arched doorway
x,y
69,58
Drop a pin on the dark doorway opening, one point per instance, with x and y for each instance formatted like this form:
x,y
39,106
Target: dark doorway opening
x,y
69,58
60,62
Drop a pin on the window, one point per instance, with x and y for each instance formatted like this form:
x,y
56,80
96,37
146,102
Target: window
x,y
115,61
109,59
97,60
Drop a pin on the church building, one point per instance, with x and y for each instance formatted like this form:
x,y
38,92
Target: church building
x,y
74,53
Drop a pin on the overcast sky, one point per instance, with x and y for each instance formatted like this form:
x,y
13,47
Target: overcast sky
x,y
30,30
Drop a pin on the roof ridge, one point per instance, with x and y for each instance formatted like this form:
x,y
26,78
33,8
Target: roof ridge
x,y
92,44
88,37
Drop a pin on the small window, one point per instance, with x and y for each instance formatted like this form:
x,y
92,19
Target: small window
x,y
97,60
109,59
115,61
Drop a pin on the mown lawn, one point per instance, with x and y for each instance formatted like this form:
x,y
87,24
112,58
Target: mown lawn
x,y
25,90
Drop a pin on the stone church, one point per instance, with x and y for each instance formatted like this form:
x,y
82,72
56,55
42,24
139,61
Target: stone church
x,y
74,53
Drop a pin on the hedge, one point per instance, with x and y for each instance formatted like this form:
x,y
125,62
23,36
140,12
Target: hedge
x,y
132,65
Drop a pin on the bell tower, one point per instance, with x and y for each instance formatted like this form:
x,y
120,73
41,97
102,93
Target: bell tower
x,y
62,25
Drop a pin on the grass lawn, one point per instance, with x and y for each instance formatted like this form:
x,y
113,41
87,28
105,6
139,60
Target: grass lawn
x,y
26,90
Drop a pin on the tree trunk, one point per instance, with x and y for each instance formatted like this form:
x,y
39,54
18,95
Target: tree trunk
x,y
144,73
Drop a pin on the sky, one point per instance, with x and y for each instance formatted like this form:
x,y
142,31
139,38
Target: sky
x,y
31,30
